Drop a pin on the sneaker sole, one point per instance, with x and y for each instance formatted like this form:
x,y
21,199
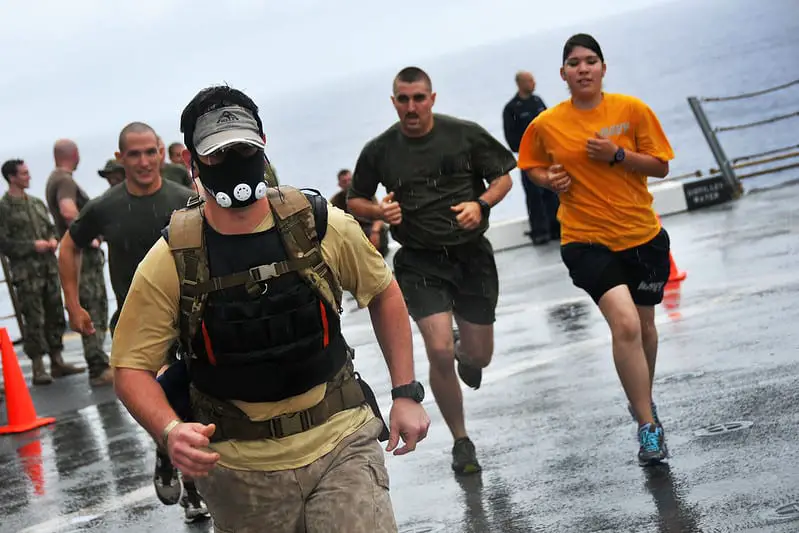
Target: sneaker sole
x,y
467,470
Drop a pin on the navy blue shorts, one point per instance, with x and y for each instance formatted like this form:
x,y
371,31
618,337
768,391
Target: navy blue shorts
x,y
644,269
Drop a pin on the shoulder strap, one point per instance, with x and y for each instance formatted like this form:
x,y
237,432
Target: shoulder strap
x,y
319,206
296,221
187,243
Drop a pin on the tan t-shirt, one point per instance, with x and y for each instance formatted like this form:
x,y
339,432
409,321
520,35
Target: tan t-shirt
x,y
148,326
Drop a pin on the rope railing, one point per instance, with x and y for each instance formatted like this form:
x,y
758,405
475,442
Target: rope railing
x,y
749,95
726,166
757,123
767,152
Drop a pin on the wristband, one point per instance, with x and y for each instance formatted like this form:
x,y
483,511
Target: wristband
x,y
165,433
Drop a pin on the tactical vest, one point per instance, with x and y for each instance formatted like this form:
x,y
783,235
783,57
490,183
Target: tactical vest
x,y
266,333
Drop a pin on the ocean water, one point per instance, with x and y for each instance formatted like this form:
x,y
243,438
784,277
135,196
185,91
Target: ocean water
x,y
662,55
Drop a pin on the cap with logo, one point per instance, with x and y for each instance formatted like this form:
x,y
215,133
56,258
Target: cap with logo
x,y
226,126
112,165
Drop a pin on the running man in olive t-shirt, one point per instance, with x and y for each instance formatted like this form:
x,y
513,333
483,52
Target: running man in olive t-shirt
x,y
435,168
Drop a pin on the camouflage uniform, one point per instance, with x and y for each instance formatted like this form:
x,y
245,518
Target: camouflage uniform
x,y
92,291
35,281
94,298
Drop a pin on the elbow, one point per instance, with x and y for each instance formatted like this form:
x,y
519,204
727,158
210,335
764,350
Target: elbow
x,y
661,170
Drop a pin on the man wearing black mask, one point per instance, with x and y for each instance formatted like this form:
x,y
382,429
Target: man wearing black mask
x,y
276,428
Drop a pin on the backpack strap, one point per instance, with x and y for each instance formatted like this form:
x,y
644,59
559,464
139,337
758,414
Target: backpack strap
x,y
295,219
187,243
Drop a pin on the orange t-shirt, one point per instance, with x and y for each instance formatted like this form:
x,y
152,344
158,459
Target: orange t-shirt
x,y
605,205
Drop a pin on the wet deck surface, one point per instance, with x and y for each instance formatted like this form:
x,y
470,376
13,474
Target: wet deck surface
x,y
550,421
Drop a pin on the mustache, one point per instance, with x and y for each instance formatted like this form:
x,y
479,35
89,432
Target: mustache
x,y
411,115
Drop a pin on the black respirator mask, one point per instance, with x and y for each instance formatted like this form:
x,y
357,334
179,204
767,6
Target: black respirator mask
x,y
238,181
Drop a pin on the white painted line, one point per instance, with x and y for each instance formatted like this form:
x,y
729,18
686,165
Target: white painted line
x,y
90,513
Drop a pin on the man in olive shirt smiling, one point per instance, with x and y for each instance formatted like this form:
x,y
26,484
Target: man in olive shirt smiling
x,y
435,168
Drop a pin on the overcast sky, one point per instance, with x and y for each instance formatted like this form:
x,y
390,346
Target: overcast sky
x,y
82,65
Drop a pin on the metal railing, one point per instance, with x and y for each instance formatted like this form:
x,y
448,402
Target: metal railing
x,y
726,166
13,295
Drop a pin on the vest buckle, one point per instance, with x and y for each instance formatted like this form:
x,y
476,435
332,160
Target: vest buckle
x,y
264,272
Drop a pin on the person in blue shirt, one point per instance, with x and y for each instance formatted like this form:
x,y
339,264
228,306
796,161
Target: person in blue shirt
x,y
542,204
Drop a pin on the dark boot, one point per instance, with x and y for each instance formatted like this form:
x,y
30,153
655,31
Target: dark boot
x,y
40,375
59,369
105,378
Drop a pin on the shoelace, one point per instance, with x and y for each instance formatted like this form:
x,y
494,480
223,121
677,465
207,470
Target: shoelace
x,y
649,440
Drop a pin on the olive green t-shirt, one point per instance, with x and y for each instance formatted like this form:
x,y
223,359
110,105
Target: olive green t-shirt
x,y
176,174
428,175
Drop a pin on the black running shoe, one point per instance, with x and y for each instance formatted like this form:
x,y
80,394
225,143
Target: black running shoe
x,y
168,486
653,445
472,376
464,457
194,507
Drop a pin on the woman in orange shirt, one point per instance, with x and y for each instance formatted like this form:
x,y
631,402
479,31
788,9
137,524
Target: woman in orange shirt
x,y
597,150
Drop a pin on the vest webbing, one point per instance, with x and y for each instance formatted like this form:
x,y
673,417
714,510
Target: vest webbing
x,y
294,219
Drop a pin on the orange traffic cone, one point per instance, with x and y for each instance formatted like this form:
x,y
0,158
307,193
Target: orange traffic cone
x,y
31,456
19,405
675,274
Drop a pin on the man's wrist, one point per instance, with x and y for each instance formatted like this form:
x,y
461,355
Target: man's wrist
x,y
485,207
167,430
412,391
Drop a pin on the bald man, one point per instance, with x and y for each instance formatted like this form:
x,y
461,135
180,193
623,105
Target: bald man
x,y
65,199
542,204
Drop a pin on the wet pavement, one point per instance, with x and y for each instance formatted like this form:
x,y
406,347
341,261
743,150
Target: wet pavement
x,y
550,422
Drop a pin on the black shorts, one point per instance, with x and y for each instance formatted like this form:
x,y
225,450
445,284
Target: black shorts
x,y
462,279
644,269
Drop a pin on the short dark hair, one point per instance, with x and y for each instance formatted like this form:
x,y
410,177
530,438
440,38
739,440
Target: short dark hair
x,y
411,75
173,146
342,172
11,167
209,99
134,127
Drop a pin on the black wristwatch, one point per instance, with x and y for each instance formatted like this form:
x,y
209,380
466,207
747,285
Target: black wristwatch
x,y
618,157
485,209
412,390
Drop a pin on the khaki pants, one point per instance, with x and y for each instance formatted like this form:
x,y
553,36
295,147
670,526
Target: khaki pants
x,y
346,490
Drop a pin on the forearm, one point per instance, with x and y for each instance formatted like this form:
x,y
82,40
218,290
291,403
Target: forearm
x,y
497,190
17,249
537,175
366,208
644,164
393,334
144,398
69,261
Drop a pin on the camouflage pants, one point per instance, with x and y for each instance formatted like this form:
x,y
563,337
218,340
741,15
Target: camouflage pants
x,y
345,490
93,298
41,311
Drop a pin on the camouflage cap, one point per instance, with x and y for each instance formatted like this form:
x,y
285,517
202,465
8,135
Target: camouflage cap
x,y
112,165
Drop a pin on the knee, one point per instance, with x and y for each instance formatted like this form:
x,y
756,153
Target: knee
x,y
441,356
626,328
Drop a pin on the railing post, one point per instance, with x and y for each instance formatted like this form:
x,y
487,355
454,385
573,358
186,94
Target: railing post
x,y
13,295
725,166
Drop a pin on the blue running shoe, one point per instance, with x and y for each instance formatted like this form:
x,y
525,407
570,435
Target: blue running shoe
x,y
653,445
